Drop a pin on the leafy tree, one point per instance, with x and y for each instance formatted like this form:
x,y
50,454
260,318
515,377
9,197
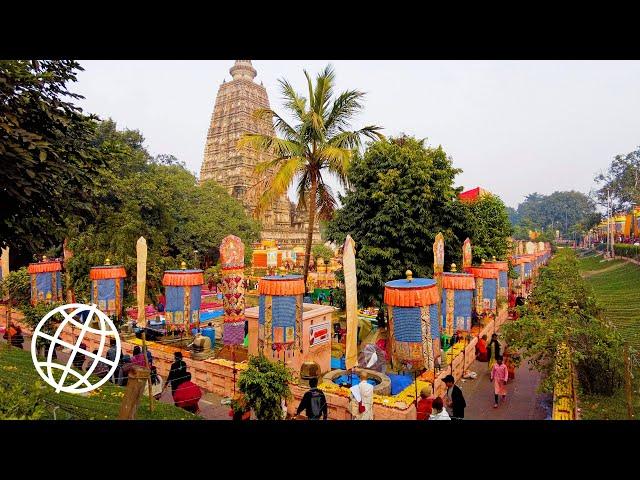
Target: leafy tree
x,y
264,384
562,310
622,179
322,251
160,200
513,215
318,143
565,211
488,227
49,168
401,195
17,285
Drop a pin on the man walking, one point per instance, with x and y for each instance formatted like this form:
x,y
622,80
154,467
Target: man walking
x,y
454,400
313,402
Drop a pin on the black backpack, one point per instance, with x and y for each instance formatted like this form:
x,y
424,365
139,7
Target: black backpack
x,y
317,403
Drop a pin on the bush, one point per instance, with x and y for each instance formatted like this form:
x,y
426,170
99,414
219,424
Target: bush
x,y
264,384
18,286
625,250
322,251
17,402
563,309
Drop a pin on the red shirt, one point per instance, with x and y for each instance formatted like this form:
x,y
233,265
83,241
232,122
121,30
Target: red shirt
x,y
187,395
424,407
482,346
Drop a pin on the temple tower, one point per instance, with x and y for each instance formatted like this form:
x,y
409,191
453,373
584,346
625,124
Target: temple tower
x,y
232,167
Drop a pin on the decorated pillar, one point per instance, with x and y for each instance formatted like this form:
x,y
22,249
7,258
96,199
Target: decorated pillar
x,y
183,289
412,306
503,276
457,301
46,284
4,263
107,288
486,291
232,259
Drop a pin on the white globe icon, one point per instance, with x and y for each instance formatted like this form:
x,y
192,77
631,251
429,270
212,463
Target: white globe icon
x,y
46,368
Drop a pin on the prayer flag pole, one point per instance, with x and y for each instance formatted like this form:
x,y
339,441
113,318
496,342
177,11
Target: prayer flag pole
x,y
350,283
141,283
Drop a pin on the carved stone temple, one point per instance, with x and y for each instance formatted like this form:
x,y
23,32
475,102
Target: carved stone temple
x,y
233,168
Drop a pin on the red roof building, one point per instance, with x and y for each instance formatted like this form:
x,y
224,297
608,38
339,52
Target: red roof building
x,y
473,194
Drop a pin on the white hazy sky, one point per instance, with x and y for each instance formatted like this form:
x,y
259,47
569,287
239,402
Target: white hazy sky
x,y
514,127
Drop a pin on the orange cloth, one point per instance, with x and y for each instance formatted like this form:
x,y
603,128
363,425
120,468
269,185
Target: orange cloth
x,y
281,287
458,281
43,267
424,407
101,273
178,279
483,272
411,297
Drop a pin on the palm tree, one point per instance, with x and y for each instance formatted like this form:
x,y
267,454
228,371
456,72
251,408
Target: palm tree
x,y
318,143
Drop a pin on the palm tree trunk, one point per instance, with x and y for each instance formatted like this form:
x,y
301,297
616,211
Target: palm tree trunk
x,y
312,217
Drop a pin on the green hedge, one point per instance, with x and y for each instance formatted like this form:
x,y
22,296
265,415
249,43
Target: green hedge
x,y
625,250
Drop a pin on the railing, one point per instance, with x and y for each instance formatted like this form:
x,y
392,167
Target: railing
x,y
564,392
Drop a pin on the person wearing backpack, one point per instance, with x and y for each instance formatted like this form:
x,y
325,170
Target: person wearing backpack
x,y
313,402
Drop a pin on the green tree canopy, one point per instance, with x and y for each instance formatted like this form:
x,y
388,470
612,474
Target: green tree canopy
x,y
487,226
159,199
49,168
401,195
322,251
567,212
622,180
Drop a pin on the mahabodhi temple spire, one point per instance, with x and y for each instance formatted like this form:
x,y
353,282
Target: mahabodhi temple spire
x,y
233,168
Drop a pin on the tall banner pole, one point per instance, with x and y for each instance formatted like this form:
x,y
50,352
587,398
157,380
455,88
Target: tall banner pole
x,y
4,261
141,284
438,268
350,284
232,260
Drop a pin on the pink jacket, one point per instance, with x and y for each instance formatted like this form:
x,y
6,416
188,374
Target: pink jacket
x,y
500,372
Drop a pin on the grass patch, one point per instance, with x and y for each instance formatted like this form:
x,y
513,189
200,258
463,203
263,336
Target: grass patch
x,y
618,292
16,367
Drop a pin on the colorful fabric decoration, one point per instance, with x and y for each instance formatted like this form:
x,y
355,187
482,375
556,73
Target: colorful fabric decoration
x,y
183,290
232,259
413,322
45,281
107,288
280,314
457,302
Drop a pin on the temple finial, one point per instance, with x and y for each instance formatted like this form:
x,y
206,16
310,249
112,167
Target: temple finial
x,y
243,70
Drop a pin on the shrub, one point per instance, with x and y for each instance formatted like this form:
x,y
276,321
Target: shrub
x,y
18,286
18,402
264,384
629,251
563,309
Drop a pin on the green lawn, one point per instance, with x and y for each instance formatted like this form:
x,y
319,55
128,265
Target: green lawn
x,y
618,292
16,366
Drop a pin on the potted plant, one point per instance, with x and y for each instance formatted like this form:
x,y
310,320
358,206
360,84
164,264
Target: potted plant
x,y
239,409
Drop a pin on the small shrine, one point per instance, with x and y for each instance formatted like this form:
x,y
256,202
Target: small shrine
x,y
46,283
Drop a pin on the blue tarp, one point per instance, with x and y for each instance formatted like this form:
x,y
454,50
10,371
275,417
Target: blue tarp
x,y
352,378
338,363
206,316
399,382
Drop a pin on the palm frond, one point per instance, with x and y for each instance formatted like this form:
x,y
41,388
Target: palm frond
x,y
292,100
310,88
325,81
344,108
279,185
270,144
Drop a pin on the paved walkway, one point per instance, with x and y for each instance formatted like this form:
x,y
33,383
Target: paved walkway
x,y
522,403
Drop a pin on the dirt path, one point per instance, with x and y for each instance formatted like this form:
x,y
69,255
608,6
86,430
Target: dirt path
x,y
607,269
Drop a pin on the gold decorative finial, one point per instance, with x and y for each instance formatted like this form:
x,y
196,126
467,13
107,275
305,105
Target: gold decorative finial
x,y
493,258
409,275
107,261
483,260
44,258
453,267
183,265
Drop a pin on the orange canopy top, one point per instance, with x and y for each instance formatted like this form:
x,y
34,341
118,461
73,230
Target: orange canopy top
x,y
107,272
43,267
417,292
182,278
281,285
458,281
501,265
483,272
